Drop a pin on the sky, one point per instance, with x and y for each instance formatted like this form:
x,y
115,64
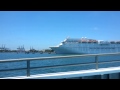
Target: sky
x,y
42,29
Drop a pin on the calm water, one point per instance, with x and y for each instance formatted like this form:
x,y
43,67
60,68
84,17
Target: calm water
x,y
37,63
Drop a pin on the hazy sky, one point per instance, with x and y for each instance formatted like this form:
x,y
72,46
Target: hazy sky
x,y
42,29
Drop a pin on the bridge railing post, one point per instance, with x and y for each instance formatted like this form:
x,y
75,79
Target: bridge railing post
x,y
96,60
28,67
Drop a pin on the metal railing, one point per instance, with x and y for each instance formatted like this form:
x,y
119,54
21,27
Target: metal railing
x,y
58,57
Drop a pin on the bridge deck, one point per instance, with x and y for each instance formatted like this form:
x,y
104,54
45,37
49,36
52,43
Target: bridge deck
x,y
70,74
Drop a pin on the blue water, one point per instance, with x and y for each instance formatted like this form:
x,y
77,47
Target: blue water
x,y
36,63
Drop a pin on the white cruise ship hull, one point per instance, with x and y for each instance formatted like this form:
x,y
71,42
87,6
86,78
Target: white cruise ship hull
x,y
75,46
62,50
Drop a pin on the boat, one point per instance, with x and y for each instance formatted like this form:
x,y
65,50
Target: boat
x,y
86,46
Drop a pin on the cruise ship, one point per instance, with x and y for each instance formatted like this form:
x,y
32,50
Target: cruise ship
x,y
86,46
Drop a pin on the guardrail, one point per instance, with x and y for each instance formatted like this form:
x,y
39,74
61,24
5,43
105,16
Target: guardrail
x,y
57,57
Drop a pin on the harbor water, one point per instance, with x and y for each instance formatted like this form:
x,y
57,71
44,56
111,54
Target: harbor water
x,y
40,63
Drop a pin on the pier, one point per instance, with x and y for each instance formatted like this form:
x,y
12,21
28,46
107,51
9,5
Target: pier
x,y
96,73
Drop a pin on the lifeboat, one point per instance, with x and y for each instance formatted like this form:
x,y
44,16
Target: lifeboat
x,y
89,41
